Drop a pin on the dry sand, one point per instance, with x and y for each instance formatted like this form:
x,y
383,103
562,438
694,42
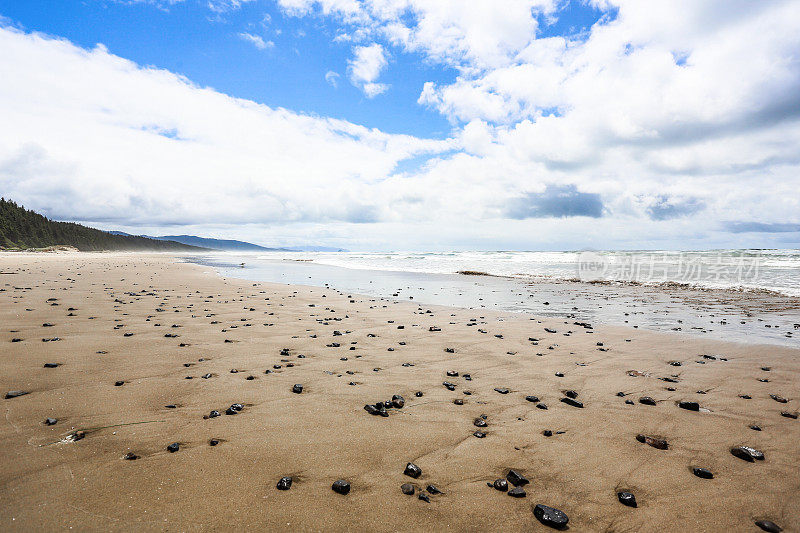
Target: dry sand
x,y
324,434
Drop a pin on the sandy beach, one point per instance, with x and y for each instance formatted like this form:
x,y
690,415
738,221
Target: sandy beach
x,y
130,353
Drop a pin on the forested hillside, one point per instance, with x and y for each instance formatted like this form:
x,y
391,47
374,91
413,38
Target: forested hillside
x,y
22,228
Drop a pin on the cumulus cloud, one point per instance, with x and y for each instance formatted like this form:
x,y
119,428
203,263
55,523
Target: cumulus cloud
x,y
90,136
666,208
365,67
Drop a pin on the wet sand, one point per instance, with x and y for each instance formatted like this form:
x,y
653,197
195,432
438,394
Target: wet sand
x,y
131,329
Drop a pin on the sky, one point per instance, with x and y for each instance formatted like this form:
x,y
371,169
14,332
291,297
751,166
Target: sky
x,y
409,124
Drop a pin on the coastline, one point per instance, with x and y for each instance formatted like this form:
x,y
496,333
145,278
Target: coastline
x,y
324,434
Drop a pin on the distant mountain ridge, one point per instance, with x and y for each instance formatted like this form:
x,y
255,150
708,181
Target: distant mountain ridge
x,y
231,245
22,228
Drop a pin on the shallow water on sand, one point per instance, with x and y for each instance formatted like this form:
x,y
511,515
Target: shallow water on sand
x,y
752,317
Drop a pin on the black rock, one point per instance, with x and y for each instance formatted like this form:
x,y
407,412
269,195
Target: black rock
x,y
119,383
213,442
231,411
571,394
130,456
297,388
768,525
541,406
779,399
213,414
702,472
371,409
516,479
450,386
500,484
412,470
573,403
479,422
458,401
547,433
424,497
418,394
533,399
689,406
501,390
747,453
479,434
452,374
398,401
550,516
284,483
341,486
407,488
174,447
51,365
433,489
50,421
626,498
15,394
517,492
787,414
647,400
755,427
629,402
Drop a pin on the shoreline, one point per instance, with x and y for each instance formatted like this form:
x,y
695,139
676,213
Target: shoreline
x,y
323,433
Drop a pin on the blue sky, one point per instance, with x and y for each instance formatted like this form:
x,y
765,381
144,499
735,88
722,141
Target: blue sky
x,y
190,39
409,124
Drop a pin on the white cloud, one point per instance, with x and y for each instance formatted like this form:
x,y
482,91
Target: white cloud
x,y
332,78
365,67
256,40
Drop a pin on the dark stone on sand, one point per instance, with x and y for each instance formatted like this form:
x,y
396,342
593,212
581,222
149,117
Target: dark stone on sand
x,y
371,409
573,403
533,399
647,400
15,394
755,427
458,401
479,434
516,479
559,374
626,498
51,365
702,473
205,376
448,385
398,401
284,483
629,402
231,411
517,492
655,442
433,489
547,433
424,497
571,394
130,456
479,422
119,383
50,421
787,414
297,388
769,525
550,516
16,340
174,447
500,484
407,489
341,486
213,442
747,453
689,406
412,470
501,390
779,399
452,374
621,394
418,394
541,406
213,414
